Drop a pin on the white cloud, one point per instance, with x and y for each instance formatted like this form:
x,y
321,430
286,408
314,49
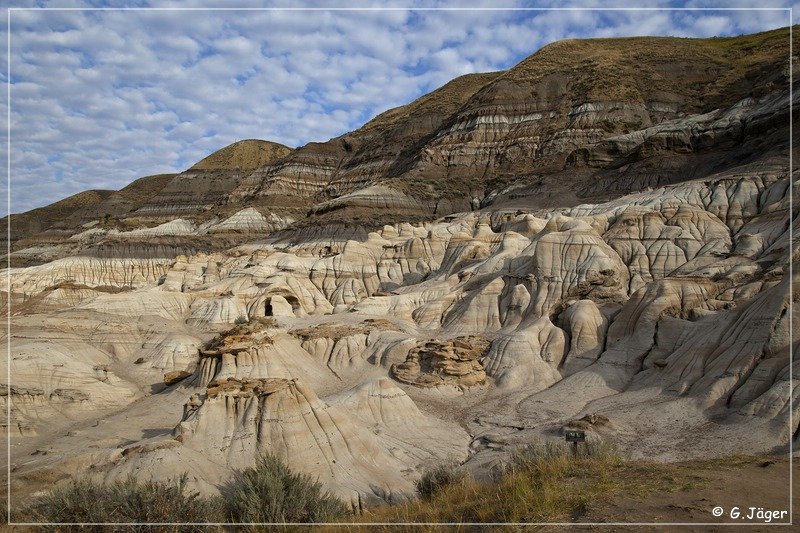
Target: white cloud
x,y
101,98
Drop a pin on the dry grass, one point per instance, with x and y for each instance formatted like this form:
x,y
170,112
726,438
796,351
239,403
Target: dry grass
x,y
442,101
543,482
41,218
244,155
705,73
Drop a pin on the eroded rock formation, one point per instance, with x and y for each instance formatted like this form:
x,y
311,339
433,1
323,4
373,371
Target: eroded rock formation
x,y
453,362
656,313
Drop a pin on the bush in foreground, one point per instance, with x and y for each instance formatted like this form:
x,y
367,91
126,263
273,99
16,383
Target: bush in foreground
x,y
543,482
272,493
268,493
86,501
436,479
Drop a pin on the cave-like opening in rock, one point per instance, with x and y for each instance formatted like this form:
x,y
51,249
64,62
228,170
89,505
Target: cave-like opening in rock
x,y
294,302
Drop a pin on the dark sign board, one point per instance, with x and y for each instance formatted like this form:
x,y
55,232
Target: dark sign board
x,y
575,435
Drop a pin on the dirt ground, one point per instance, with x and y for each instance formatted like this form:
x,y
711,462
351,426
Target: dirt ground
x,y
760,482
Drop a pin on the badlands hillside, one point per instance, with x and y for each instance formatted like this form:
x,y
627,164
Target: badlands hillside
x,y
597,238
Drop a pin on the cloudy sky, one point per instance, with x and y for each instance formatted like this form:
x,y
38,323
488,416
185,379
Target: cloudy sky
x,y
99,98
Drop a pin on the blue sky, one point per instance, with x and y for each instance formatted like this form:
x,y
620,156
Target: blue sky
x,y
102,98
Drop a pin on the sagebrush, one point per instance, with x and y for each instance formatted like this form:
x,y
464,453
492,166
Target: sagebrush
x,y
268,493
272,493
435,479
86,501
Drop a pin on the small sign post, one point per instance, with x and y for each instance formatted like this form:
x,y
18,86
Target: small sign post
x,y
575,436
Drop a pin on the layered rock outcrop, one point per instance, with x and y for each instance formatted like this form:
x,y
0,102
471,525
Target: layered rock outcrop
x,y
455,362
362,353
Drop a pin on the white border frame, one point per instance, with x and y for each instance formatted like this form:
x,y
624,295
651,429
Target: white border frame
x,y
367,524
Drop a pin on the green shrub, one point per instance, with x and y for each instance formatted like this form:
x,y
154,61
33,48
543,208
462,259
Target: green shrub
x,y
268,493
271,493
439,477
87,501
241,319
